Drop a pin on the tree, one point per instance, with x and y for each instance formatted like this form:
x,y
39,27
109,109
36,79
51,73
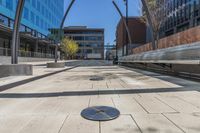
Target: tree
x,y
154,13
69,47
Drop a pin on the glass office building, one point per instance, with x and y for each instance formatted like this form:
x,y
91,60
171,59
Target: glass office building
x,y
38,17
181,15
90,41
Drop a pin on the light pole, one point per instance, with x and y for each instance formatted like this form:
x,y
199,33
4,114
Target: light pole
x,y
127,45
16,36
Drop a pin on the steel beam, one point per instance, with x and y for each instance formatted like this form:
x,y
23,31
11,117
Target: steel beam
x,y
15,36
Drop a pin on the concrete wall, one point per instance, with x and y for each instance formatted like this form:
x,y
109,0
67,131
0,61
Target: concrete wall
x,y
7,59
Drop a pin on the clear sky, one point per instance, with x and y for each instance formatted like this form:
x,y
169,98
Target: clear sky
x,y
99,14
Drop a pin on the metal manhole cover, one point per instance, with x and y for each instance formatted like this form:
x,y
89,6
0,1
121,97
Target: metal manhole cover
x,y
100,113
96,78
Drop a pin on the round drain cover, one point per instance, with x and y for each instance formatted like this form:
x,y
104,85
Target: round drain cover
x,y
100,113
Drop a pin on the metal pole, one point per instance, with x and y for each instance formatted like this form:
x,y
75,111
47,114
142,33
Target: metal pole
x,y
15,36
125,24
61,26
150,22
127,45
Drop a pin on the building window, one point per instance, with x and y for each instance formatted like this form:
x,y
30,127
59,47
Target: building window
x,y
32,17
3,20
37,21
9,4
38,6
26,13
34,3
43,13
41,23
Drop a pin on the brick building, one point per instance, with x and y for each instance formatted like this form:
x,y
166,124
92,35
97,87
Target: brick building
x,y
137,30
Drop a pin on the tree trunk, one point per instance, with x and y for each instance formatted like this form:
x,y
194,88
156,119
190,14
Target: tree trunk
x,y
156,36
150,23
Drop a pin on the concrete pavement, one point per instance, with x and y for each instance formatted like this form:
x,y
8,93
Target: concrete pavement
x,y
148,102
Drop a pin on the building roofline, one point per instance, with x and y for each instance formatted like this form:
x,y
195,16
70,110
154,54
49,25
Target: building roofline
x,y
82,28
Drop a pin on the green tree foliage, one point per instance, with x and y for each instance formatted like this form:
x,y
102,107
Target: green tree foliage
x,y
69,47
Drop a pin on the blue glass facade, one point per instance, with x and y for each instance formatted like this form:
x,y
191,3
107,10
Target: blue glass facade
x,y
39,15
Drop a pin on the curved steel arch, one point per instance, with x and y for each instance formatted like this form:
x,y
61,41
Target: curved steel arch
x,y
66,13
15,36
61,26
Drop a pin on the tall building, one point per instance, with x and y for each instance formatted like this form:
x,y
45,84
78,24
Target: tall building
x,y
38,17
181,15
90,41
137,30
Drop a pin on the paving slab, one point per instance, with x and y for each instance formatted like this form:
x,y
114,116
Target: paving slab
x,y
101,101
13,123
153,105
73,105
189,123
77,124
44,124
128,106
179,105
155,123
123,124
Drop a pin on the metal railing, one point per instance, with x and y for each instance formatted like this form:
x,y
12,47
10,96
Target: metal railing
x,y
22,53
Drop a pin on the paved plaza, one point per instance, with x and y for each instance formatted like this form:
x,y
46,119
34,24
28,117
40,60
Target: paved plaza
x,y
149,102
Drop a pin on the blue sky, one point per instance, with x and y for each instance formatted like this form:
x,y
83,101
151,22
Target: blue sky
x,y
99,14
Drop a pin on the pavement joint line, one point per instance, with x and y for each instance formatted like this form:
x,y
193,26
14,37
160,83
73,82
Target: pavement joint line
x,y
173,123
136,123
99,126
113,102
89,102
142,106
107,85
166,104
25,81
63,123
